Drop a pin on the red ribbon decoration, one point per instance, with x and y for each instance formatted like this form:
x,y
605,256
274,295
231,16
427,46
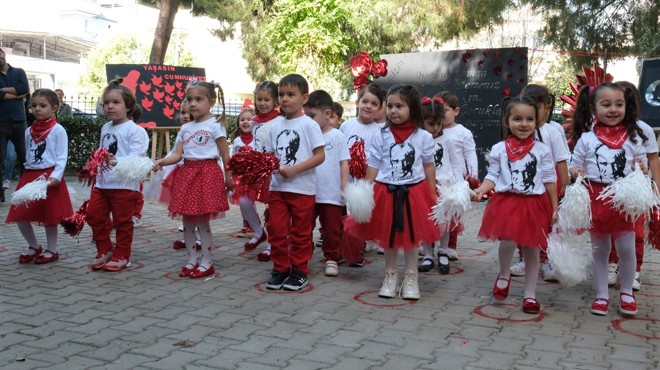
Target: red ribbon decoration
x,y
426,100
74,224
97,162
252,166
357,165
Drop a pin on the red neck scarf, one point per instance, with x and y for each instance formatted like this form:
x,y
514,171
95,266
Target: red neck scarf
x,y
612,136
403,131
517,149
40,129
246,138
265,117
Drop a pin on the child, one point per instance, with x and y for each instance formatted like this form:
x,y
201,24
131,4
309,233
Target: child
x,y
331,177
448,170
651,147
521,211
337,113
244,195
199,188
608,143
371,99
402,166
465,149
298,143
266,101
554,137
122,138
47,154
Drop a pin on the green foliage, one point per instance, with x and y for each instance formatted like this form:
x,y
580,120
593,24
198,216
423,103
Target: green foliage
x,y
559,76
125,50
622,27
84,136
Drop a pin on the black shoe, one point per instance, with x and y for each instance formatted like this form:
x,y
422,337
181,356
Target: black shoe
x,y
426,267
443,268
296,281
359,263
276,280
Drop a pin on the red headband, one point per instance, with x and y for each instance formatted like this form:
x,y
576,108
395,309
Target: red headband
x,y
426,100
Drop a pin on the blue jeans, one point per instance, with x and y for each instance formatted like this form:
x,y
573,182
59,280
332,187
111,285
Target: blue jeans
x,y
10,161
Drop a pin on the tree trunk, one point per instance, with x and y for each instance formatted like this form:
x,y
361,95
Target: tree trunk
x,y
168,9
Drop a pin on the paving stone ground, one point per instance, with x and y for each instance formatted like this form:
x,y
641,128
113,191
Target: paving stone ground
x,y
64,316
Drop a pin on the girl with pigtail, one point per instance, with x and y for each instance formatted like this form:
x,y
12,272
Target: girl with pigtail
x,y
199,187
608,144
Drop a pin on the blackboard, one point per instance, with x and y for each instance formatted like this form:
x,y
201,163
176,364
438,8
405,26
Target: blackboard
x,y
480,78
649,91
159,89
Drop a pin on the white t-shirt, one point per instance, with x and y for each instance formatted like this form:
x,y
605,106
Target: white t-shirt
x,y
466,149
355,131
198,139
293,142
401,164
238,143
258,126
448,169
556,141
328,173
651,145
123,140
524,176
51,152
602,164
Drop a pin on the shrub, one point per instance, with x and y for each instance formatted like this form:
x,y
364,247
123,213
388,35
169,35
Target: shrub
x,y
84,134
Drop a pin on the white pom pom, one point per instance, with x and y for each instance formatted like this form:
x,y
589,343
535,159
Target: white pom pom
x,y
263,134
453,202
132,169
359,197
633,195
30,192
152,191
571,264
575,209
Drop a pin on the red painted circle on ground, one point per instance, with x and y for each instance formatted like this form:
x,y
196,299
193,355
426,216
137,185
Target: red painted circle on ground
x,y
261,287
134,266
477,252
142,240
618,325
2,249
453,270
479,311
359,298
647,295
174,276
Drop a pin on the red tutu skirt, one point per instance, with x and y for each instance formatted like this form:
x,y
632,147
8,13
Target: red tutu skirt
x,y
47,212
254,192
525,219
416,228
604,218
197,190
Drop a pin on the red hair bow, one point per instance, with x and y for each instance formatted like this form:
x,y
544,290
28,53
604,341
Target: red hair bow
x,y
426,100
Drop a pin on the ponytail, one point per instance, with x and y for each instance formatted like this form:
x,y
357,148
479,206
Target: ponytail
x,y
582,117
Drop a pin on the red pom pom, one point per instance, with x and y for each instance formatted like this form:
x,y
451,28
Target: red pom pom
x,y
74,224
473,182
653,237
253,168
357,165
98,162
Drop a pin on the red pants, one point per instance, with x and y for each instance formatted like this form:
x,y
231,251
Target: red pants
x,y
330,216
290,230
121,204
139,204
453,236
639,245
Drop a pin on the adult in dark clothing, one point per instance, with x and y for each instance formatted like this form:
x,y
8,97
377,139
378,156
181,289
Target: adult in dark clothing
x,y
13,88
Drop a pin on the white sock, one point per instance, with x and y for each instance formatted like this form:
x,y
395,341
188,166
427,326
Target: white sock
x,y
51,238
532,264
443,248
410,257
600,251
505,253
189,239
28,234
207,241
625,249
428,250
249,213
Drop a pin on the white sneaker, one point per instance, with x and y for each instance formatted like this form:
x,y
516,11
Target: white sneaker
x,y
388,290
381,250
420,251
181,228
612,273
137,222
453,256
637,283
331,268
6,184
518,268
370,246
410,286
547,272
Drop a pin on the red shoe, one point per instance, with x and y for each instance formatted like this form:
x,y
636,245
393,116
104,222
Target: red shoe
x,y
251,246
501,293
41,259
27,258
185,271
201,272
531,305
628,308
100,261
599,307
179,244
264,256
116,264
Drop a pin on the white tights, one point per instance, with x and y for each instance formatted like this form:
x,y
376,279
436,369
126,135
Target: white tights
x,y
531,255
249,213
600,250
206,238
28,233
